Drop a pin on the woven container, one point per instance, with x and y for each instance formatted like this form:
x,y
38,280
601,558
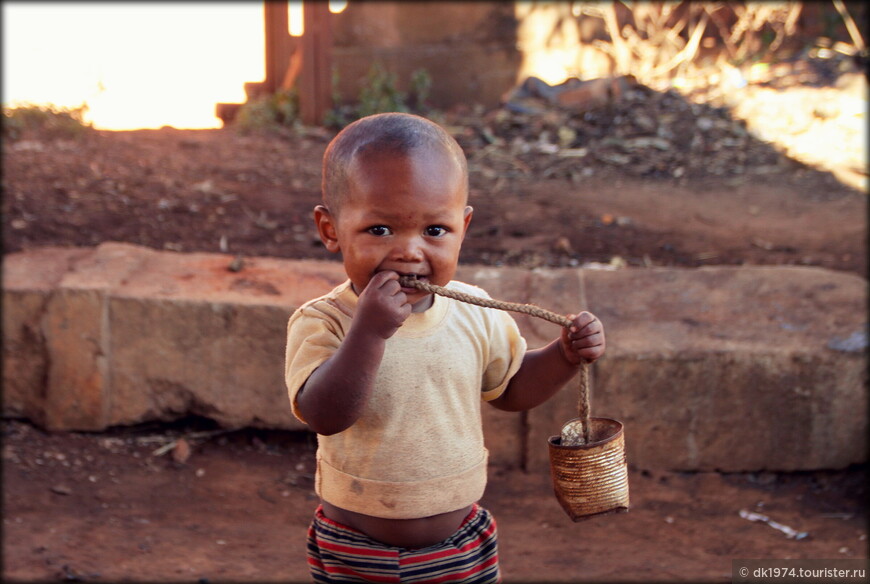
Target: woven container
x,y
591,479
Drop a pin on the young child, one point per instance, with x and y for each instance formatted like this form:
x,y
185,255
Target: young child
x,y
391,378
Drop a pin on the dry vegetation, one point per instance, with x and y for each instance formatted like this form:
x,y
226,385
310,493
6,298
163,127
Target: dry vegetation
x,y
659,42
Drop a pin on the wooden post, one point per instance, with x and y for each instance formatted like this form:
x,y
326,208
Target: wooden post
x,y
279,44
315,79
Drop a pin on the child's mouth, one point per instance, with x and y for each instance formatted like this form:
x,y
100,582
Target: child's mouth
x,y
410,280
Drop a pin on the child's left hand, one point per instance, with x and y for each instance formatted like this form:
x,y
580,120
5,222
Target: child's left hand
x,y
583,341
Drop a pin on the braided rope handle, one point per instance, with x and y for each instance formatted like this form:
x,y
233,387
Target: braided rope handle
x,y
530,309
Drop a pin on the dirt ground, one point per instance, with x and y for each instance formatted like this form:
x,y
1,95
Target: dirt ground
x,y
117,507
555,189
125,506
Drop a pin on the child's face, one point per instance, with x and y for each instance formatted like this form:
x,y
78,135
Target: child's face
x,y
402,213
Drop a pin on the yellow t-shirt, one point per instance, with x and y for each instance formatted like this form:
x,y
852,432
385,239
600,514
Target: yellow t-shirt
x,y
417,450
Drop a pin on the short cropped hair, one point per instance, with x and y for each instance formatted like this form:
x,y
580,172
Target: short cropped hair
x,y
397,133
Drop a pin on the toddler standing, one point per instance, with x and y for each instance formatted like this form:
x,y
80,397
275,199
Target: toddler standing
x,y
392,378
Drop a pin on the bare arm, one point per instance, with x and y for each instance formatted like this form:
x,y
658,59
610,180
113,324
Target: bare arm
x,y
335,394
546,370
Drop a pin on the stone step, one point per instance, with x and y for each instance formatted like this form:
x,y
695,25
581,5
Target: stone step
x,y
227,112
719,368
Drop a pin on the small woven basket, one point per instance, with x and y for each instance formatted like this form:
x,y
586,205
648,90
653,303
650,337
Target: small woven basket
x,y
591,479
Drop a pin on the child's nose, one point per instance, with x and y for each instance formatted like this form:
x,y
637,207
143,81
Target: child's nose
x,y
408,249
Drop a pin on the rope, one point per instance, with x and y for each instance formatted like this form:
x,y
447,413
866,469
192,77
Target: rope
x,y
530,309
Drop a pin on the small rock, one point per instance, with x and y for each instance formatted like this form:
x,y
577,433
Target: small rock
x,y
206,187
617,262
10,454
61,490
855,343
29,146
237,264
572,433
181,451
563,245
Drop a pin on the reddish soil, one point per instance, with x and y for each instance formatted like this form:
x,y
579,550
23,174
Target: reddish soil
x,y
737,201
110,507
107,508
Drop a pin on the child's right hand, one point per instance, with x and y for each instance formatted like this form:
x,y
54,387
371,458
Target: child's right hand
x,y
382,306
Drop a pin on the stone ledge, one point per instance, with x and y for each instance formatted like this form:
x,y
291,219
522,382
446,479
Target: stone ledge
x,y
722,368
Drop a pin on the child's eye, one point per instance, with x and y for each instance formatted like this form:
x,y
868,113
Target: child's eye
x,y
379,230
436,231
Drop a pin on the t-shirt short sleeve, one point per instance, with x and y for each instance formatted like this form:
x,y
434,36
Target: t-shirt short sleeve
x,y
311,339
506,350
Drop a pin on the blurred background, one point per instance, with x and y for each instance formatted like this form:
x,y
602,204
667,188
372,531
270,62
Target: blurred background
x,y
146,65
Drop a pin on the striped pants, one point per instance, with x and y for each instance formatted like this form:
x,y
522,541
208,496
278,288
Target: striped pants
x,y
337,553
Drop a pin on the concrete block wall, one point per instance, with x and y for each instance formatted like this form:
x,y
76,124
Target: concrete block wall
x,y
721,368
468,49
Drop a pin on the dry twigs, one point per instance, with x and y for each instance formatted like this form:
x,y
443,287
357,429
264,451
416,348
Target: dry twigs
x,y
655,41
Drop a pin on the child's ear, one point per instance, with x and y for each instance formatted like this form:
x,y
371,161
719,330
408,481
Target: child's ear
x,y
469,211
326,228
